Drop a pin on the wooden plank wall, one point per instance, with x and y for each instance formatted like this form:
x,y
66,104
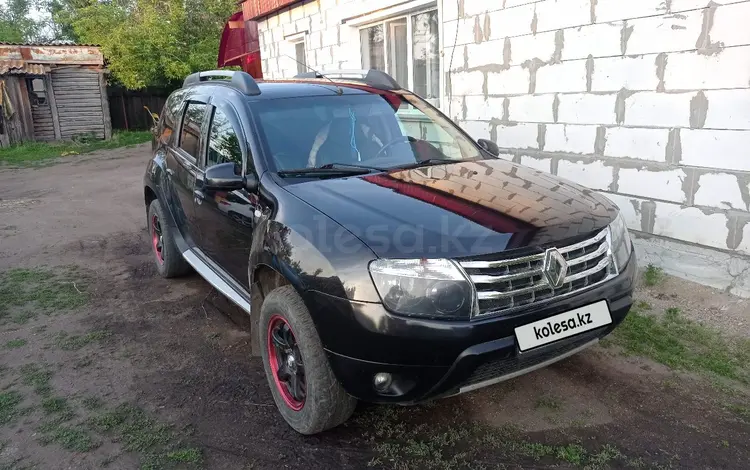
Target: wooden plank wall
x,y
78,97
44,128
20,127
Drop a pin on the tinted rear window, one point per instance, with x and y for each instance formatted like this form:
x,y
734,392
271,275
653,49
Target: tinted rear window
x,y
191,128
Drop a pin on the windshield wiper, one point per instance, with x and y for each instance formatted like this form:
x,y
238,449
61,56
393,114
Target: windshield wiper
x,y
428,162
331,169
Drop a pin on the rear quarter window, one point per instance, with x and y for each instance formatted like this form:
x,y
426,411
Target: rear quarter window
x,y
170,116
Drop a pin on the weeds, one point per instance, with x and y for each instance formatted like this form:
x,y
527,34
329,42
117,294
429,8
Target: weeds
x,y
9,406
75,342
39,289
653,275
37,377
684,344
15,343
30,153
73,438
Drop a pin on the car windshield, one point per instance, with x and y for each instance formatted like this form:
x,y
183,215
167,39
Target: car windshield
x,y
379,130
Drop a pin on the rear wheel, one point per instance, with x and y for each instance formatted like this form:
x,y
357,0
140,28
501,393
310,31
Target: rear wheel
x,y
302,383
168,259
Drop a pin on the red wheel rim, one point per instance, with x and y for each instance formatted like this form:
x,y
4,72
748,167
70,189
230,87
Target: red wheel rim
x,y
157,239
285,360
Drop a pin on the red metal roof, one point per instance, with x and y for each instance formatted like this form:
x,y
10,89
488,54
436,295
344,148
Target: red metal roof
x,y
254,9
20,67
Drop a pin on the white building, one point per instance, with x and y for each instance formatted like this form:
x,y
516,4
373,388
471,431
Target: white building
x,y
647,101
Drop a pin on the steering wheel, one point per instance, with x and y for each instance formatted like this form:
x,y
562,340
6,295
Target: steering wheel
x,y
397,140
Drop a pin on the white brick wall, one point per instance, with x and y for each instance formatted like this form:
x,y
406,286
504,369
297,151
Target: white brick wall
x,y
530,108
720,190
515,80
665,33
690,224
663,185
594,175
633,142
716,148
597,40
570,138
511,21
693,71
567,77
649,108
522,136
728,109
542,164
632,73
559,14
586,108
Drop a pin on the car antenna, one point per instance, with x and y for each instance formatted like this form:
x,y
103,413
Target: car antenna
x,y
339,91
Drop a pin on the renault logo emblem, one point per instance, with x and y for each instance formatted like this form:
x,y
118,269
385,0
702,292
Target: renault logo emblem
x,y
555,268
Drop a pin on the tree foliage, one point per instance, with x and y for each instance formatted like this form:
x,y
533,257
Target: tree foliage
x,y
148,42
16,23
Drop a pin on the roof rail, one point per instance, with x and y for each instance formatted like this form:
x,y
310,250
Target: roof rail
x,y
372,77
237,79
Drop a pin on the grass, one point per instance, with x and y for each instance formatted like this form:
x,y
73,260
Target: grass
x,y
680,343
550,403
37,377
9,406
73,438
39,290
653,275
460,444
68,342
15,343
138,432
30,153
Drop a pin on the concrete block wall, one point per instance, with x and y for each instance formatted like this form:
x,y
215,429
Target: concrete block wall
x,y
647,101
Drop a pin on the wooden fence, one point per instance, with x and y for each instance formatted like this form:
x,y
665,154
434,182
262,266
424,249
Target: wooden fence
x,y
126,107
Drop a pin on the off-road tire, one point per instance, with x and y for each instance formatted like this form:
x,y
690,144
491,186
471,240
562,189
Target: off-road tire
x,y
326,404
172,263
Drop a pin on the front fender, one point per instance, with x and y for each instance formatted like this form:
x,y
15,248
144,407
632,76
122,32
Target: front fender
x,y
307,263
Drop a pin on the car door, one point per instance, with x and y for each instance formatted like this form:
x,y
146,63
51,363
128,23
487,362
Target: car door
x,y
226,219
183,167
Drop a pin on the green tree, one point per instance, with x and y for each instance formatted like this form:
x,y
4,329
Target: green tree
x,y
149,42
16,24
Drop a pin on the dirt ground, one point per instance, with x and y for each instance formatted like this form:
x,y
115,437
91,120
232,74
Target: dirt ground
x,y
114,367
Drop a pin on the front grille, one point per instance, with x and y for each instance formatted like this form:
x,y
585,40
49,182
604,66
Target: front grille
x,y
506,284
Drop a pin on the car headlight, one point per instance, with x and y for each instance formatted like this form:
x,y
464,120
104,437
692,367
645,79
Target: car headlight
x,y
620,242
435,288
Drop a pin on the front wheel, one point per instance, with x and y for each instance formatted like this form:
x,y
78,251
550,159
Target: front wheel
x,y
302,383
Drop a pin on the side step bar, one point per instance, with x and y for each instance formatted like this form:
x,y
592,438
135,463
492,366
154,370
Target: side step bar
x,y
204,267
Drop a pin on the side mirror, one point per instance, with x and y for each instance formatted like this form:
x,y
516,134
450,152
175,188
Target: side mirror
x,y
227,177
489,146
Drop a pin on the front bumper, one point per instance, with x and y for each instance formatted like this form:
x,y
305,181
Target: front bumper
x,y
430,359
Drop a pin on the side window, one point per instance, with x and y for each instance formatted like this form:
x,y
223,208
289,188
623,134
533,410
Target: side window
x,y
190,134
170,115
223,142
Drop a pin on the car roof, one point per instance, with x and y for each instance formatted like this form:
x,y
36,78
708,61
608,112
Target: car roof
x,y
298,88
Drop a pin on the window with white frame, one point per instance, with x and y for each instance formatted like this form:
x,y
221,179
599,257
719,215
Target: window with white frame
x,y
408,49
295,50
299,55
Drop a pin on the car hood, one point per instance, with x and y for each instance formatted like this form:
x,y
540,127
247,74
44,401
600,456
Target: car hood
x,y
459,209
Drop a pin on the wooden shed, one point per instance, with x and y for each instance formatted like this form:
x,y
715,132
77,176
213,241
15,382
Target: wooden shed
x,y
52,92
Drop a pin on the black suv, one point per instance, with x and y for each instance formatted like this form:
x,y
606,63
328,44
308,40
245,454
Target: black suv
x,y
380,252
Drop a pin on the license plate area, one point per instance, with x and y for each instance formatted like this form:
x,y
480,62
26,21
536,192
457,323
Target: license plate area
x,y
563,325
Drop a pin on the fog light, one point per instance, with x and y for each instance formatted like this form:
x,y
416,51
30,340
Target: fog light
x,y
382,381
